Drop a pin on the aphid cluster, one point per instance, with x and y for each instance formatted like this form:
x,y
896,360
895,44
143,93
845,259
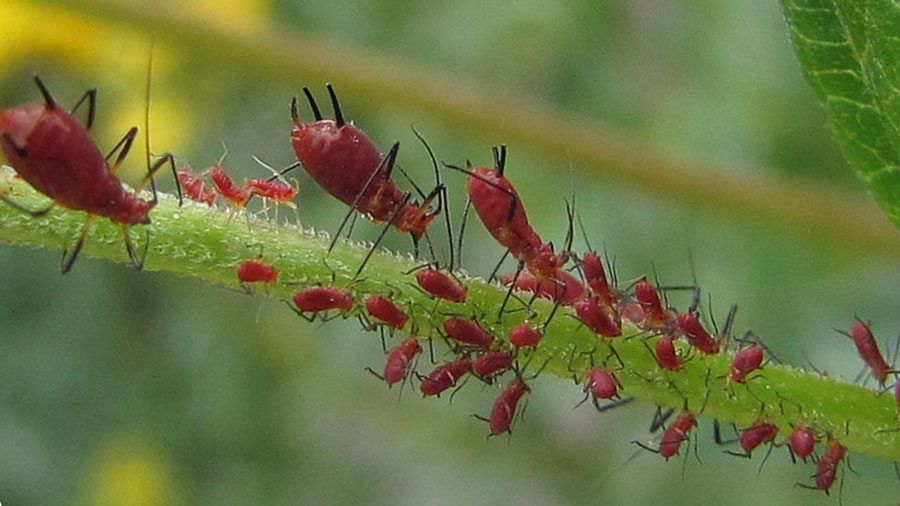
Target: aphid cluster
x,y
53,151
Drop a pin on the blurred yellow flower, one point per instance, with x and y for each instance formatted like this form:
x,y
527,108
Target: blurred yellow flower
x,y
129,470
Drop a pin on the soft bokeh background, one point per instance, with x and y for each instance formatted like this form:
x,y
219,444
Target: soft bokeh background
x,y
133,388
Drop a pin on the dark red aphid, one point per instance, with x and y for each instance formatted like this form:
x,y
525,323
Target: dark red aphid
x,y
55,154
676,433
255,271
504,410
756,435
826,470
445,376
503,214
656,316
566,288
194,187
467,331
236,195
492,362
601,319
600,383
802,441
441,285
595,277
522,335
323,298
347,165
745,361
385,310
691,328
400,359
869,352
666,356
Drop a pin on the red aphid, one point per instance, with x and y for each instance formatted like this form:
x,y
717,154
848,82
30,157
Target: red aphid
x,y
55,154
565,287
503,214
802,441
745,361
237,195
595,276
194,187
691,328
504,410
342,160
869,352
445,376
522,335
492,362
826,470
467,331
400,359
441,285
254,271
676,433
601,383
323,298
656,316
601,319
666,356
279,192
756,435
385,310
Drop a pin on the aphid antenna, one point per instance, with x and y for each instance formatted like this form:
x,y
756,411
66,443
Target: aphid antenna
x,y
510,290
443,199
462,231
310,319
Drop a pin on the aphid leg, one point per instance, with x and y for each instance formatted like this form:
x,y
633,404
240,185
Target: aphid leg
x,y
642,445
444,198
462,231
310,319
613,404
381,235
136,262
48,98
493,275
91,96
69,259
765,458
660,418
123,147
510,290
152,171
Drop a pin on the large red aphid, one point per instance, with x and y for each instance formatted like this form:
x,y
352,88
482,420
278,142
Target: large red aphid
x,y
492,362
600,383
802,441
826,470
565,287
666,355
385,310
595,277
236,195
522,335
400,359
691,328
254,271
745,361
323,298
445,376
504,410
467,331
441,285
656,316
869,352
676,433
756,435
503,214
194,186
601,319
346,164
55,154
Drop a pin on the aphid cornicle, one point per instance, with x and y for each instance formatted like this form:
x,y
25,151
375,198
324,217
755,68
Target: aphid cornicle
x,y
51,150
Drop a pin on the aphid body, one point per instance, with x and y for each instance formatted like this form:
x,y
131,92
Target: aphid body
x,y
467,331
400,359
504,409
676,433
254,271
441,285
445,376
385,310
323,298
745,361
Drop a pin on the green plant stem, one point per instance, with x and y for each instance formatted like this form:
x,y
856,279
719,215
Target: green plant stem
x,y
209,243
804,208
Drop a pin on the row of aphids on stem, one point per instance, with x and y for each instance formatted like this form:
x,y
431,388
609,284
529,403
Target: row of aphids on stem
x,y
51,150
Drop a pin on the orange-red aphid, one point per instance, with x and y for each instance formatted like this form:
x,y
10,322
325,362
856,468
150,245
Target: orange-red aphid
x,y
492,362
869,352
756,435
51,150
745,361
194,186
504,410
666,356
691,328
236,195
441,285
255,271
467,331
676,433
445,376
400,359
347,165
323,298
802,441
385,310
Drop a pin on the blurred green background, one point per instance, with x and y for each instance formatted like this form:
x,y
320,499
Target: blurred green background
x,y
135,388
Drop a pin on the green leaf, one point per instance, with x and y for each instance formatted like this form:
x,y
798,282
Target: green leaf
x,y
849,52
